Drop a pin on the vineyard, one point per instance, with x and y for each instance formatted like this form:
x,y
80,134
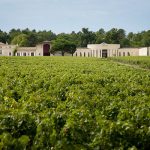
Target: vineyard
x,y
143,62
63,103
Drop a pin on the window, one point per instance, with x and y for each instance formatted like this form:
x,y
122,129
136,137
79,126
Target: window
x,y
0,52
24,54
9,53
119,53
128,54
80,54
148,50
32,54
18,54
124,54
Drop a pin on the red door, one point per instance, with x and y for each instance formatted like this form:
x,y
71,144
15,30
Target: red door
x,y
46,48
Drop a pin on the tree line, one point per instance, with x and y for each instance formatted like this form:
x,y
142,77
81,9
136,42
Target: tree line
x,y
29,37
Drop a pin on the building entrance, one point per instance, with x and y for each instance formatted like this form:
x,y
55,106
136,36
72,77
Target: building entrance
x,y
104,53
46,49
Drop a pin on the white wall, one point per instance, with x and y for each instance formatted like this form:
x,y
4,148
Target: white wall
x,y
103,46
143,51
6,49
39,50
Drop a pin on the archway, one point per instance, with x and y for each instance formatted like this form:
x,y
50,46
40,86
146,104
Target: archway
x,y
46,48
80,54
84,54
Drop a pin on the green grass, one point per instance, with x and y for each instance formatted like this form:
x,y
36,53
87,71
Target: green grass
x,y
73,103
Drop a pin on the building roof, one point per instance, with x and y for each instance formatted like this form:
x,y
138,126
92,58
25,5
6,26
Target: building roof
x,y
129,48
26,49
103,43
82,48
46,41
2,43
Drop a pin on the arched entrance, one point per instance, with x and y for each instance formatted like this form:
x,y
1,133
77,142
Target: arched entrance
x,y
46,48
84,54
80,54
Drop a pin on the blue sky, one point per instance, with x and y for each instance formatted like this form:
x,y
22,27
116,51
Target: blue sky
x,y
72,15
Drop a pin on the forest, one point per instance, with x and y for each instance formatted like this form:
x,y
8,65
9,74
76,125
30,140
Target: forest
x,y
27,37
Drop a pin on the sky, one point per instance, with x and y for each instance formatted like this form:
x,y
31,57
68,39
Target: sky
x,y
73,15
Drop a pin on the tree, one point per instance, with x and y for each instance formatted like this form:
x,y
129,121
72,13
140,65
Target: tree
x,y
125,42
13,33
115,36
3,36
100,36
75,38
20,40
63,45
32,39
146,39
111,36
27,37
86,37
45,36
136,40
71,48
15,51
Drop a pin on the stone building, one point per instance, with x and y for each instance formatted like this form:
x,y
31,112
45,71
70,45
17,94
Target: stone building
x,y
41,49
110,50
92,50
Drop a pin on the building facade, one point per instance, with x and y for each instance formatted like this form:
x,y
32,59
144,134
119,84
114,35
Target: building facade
x,y
42,49
92,50
110,50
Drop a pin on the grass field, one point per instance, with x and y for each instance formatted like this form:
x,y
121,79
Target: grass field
x,y
64,103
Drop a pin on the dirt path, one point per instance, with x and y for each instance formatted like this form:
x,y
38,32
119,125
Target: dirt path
x,y
130,65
